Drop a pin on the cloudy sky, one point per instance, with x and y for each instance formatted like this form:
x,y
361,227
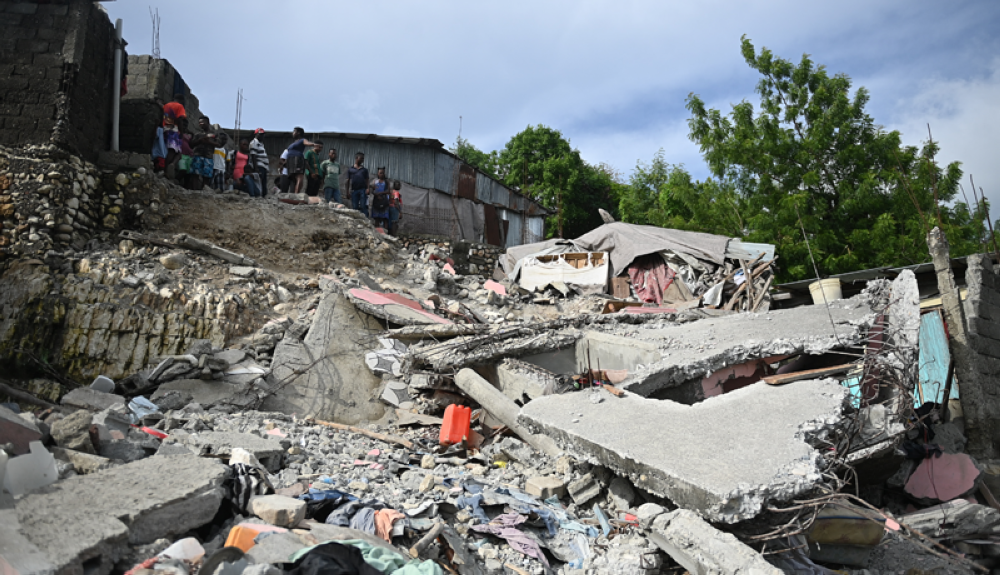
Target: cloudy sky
x,y
611,76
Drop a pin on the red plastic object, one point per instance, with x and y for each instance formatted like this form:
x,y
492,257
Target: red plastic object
x,y
456,424
154,432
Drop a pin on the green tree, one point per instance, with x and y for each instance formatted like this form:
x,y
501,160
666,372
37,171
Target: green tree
x,y
665,195
470,154
811,157
540,163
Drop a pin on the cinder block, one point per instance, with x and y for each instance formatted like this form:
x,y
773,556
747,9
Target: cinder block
x,y
33,46
53,10
9,21
22,8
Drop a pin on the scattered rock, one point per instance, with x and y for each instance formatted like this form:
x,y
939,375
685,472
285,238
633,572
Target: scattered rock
x,y
279,510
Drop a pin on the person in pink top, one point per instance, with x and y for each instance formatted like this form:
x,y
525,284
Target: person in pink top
x,y
244,171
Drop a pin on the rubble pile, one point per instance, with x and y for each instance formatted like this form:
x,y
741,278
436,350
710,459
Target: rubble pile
x,y
307,393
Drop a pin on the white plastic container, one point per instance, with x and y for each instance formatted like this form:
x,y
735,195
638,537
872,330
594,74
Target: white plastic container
x,y
828,287
30,471
187,549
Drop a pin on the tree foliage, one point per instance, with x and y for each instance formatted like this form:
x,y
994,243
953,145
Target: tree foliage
x,y
811,157
540,163
486,162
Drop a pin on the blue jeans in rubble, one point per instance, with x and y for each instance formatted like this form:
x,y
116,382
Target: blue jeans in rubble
x,y
331,194
359,201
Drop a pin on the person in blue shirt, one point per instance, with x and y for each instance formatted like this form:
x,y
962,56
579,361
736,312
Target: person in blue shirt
x,y
296,162
381,190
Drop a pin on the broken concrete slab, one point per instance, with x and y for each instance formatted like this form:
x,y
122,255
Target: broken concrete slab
x,y
275,548
954,519
325,375
545,487
208,393
91,399
724,457
17,430
392,307
17,551
279,510
694,350
267,450
83,463
703,549
73,432
133,504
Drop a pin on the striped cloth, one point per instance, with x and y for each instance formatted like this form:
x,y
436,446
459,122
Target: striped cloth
x,y
259,154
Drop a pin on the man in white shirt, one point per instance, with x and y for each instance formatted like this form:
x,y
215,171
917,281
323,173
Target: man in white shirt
x,y
221,155
259,155
285,181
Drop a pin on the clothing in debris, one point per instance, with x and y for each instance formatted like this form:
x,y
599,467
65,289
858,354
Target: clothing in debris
x,y
384,520
243,482
504,526
389,562
330,559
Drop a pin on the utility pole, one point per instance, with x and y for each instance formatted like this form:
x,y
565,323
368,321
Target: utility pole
x,y
239,115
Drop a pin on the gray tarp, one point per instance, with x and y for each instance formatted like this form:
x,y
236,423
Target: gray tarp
x,y
433,213
625,242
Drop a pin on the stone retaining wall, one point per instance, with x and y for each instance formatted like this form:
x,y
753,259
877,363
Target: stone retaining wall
x,y
51,199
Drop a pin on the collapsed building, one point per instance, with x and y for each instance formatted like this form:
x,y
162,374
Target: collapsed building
x,y
184,393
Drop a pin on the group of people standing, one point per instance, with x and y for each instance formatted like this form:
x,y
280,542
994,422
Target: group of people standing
x,y
300,165
201,158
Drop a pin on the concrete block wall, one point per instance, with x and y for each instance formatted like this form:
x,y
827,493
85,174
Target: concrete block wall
x,y
149,79
981,393
55,74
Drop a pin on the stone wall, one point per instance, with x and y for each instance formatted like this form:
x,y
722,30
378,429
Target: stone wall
x,y
56,63
469,257
51,199
981,393
149,79
82,315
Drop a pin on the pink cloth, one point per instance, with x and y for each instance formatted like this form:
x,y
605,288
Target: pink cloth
x,y
943,478
379,298
495,287
650,277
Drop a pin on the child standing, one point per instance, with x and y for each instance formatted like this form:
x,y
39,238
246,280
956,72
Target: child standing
x,y
395,208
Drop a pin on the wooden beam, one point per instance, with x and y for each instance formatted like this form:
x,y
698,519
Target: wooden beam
x,y
783,378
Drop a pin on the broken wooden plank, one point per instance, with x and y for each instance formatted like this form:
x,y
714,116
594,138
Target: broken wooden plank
x,y
614,390
426,540
763,292
783,378
373,434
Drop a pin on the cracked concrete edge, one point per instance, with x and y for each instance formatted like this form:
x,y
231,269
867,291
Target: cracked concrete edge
x,y
666,374
454,354
703,549
738,505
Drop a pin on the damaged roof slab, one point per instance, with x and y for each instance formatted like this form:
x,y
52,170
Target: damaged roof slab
x,y
724,457
695,350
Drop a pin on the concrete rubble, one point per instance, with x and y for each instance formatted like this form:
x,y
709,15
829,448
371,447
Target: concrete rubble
x,y
763,462
288,387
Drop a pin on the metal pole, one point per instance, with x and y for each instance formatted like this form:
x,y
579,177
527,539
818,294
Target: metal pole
x,y
117,87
